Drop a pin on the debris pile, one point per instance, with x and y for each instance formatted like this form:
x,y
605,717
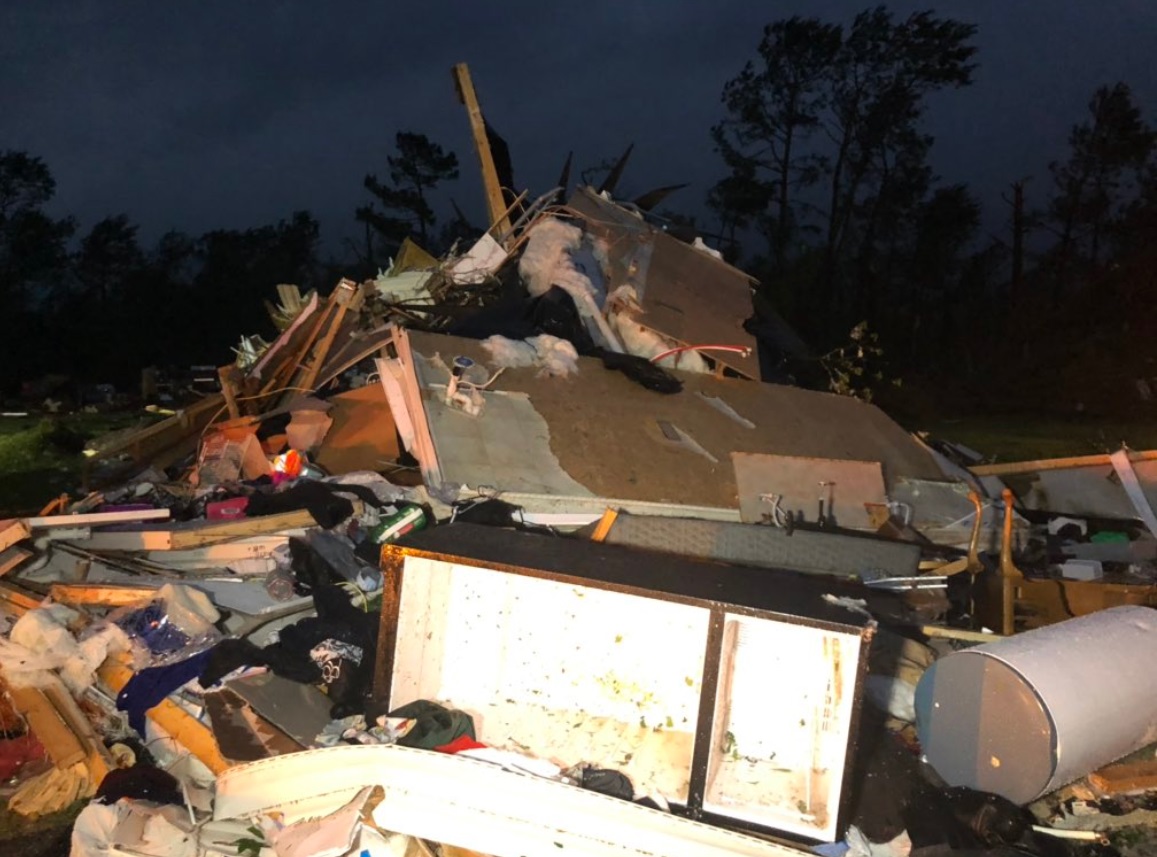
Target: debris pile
x,y
513,551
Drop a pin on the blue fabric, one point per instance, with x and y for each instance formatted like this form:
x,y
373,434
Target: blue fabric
x,y
153,627
150,686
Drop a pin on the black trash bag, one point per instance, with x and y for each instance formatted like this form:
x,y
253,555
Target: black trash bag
x,y
963,818
490,512
554,313
608,782
642,371
139,782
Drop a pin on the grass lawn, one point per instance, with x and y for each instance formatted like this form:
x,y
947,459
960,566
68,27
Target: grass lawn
x,y
40,456
1020,438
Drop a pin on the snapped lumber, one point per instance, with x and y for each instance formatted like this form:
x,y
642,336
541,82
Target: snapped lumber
x,y
96,519
1011,468
11,532
202,535
49,725
181,726
1125,777
100,594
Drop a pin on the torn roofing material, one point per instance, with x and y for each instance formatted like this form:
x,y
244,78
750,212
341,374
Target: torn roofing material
x,y
606,435
685,293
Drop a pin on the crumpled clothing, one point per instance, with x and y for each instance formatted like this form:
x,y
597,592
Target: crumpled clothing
x,y
150,686
434,724
356,730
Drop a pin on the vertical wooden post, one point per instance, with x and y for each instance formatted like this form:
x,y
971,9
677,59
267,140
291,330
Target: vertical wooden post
x,y
495,202
228,376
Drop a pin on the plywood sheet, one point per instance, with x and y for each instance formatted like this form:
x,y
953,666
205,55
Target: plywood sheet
x,y
801,483
362,436
604,431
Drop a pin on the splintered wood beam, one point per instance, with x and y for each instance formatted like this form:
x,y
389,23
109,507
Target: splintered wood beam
x,y
495,202
181,726
101,595
1012,468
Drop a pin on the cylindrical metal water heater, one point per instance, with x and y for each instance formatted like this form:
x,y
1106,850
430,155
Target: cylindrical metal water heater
x,y
1023,716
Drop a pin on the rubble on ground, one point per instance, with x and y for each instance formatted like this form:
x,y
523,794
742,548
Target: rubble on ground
x,y
513,551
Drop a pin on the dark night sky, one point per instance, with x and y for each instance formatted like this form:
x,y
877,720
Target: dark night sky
x,y
233,114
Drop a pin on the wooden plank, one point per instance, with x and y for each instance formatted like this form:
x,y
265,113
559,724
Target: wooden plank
x,y
13,557
346,295
1011,468
11,532
214,556
49,726
495,201
178,723
1126,777
224,531
96,519
202,535
228,376
153,439
944,633
97,756
17,599
101,594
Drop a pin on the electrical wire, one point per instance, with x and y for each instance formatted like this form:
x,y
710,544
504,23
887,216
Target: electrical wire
x,y
735,349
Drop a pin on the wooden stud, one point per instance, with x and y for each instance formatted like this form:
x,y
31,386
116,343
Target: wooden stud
x,y
495,201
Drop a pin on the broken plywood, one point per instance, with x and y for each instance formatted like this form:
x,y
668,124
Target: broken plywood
x,y
802,484
363,436
604,432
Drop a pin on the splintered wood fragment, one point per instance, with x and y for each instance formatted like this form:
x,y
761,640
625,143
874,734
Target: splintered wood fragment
x,y
1126,777
95,519
101,595
13,557
494,199
11,532
181,726
184,538
228,376
49,726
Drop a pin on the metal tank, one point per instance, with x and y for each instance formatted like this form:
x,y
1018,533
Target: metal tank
x,y
1025,715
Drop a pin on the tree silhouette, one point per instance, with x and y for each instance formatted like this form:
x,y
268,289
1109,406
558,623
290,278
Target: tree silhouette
x,y
1099,179
823,147
419,166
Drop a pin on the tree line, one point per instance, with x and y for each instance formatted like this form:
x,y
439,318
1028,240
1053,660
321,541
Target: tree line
x,y
826,196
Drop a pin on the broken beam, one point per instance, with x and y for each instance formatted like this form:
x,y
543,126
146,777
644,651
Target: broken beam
x,y
495,202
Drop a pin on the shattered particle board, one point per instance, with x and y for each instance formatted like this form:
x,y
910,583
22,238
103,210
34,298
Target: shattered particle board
x,y
603,430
